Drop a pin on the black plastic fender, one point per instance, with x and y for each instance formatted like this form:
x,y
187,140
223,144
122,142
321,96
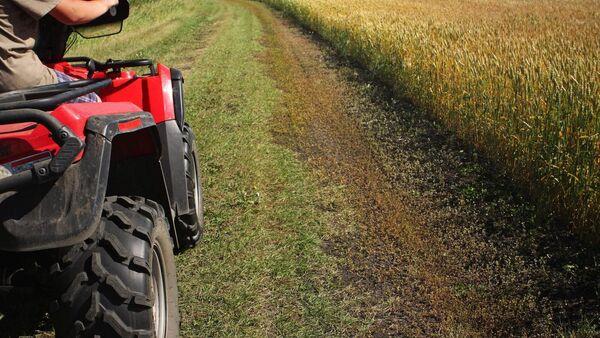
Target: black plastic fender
x,y
178,102
172,164
66,211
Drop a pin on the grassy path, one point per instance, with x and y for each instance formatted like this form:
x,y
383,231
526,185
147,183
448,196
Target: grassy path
x,y
261,268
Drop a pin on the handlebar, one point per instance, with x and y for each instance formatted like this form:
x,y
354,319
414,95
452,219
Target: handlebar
x,y
95,65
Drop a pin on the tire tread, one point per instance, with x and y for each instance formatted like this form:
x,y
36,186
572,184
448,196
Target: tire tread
x,y
92,289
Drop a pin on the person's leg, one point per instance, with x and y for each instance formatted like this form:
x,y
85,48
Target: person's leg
x,y
88,98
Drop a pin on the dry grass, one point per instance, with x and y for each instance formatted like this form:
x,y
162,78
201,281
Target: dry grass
x,y
519,80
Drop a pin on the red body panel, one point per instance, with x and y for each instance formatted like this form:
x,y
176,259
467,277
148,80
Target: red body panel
x,y
128,93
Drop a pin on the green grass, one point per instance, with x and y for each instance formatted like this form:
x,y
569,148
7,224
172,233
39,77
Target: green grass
x,y
261,269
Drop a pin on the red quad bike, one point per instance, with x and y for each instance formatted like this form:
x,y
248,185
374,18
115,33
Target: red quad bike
x,y
96,198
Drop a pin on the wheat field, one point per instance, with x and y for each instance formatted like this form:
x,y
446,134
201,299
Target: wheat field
x,y
518,80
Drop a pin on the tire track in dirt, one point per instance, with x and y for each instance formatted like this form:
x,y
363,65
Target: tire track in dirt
x,y
204,39
314,122
441,244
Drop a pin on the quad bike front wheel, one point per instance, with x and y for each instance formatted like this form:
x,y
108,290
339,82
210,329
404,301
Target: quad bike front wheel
x,y
121,282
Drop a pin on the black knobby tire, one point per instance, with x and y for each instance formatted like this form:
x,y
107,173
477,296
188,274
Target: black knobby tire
x,y
193,221
105,285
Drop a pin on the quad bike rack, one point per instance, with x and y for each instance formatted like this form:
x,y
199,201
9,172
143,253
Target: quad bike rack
x,y
50,96
70,146
17,108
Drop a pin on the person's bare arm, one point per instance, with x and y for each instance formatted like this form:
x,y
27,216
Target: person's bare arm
x,y
76,12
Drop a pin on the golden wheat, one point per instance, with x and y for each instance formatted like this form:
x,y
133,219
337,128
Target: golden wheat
x,y
519,80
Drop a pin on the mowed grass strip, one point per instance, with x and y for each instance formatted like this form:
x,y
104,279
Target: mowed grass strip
x,y
518,80
261,268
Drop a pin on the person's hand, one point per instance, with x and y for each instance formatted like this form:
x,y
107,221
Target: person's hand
x,y
77,12
111,3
